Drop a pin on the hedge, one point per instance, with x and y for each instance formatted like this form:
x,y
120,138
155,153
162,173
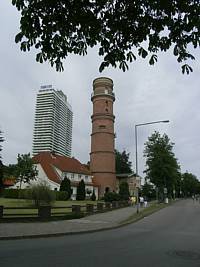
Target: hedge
x,y
24,194
15,193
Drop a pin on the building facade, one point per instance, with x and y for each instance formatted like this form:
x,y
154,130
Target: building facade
x,y
53,168
53,122
102,156
134,183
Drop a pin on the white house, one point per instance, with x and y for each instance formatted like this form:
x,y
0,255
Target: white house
x,y
53,168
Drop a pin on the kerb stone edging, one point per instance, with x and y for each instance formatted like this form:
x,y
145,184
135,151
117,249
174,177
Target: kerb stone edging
x,y
131,219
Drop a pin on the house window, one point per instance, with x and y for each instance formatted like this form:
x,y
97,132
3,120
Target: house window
x,y
72,175
79,176
86,177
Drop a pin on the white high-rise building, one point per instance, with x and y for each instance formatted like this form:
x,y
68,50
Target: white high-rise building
x,y
53,122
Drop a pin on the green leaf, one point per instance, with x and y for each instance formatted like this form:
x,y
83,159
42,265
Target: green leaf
x,y
123,65
14,2
103,65
18,37
153,59
39,57
186,68
101,51
130,56
142,52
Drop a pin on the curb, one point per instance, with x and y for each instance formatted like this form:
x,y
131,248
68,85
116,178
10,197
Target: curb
x,y
125,222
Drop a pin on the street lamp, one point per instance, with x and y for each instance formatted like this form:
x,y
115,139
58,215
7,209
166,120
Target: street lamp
x,y
136,157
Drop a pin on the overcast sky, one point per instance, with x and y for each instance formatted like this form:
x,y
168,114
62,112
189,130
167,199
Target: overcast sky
x,y
143,94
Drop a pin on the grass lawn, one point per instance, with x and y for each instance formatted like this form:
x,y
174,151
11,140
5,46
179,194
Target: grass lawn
x,y
9,202
144,212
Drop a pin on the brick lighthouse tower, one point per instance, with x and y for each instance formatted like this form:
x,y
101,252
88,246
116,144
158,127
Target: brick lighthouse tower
x,y
102,156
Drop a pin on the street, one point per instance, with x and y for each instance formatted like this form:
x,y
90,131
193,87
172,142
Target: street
x,y
167,238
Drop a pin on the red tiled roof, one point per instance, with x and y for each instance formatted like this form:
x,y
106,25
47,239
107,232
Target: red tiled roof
x,y
51,161
8,182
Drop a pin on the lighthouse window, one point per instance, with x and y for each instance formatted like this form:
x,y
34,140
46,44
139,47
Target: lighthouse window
x,y
106,110
102,126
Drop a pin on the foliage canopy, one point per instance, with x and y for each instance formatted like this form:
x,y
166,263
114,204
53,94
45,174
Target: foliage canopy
x,y
122,163
190,185
162,166
66,187
122,29
80,195
25,169
1,164
148,191
1,140
124,191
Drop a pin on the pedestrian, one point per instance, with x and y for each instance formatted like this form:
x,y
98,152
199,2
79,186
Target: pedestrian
x,y
141,201
133,200
193,198
145,202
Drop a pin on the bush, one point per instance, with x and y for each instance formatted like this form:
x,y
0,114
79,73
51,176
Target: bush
x,y
80,195
15,193
41,194
66,187
61,195
124,191
111,196
93,196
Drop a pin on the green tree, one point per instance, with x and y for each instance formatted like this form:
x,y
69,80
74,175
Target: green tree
x,y
190,184
122,29
162,166
25,169
148,191
1,163
66,187
122,163
10,170
124,191
80,195
1,140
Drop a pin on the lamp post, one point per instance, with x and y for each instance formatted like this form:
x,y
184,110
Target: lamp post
x,y
136,154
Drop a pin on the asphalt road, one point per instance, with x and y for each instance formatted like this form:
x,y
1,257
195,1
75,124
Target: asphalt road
x,y
170,237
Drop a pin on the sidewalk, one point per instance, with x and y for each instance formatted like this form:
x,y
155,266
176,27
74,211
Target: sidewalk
x,y
96,222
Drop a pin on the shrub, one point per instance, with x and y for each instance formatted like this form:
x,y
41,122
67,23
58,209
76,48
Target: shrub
x,y
61,195
124,191
111,196
80,195
93,196
41,194
66,187
15,193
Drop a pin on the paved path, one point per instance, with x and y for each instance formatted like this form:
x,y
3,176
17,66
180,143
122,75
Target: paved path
x,y
96,222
